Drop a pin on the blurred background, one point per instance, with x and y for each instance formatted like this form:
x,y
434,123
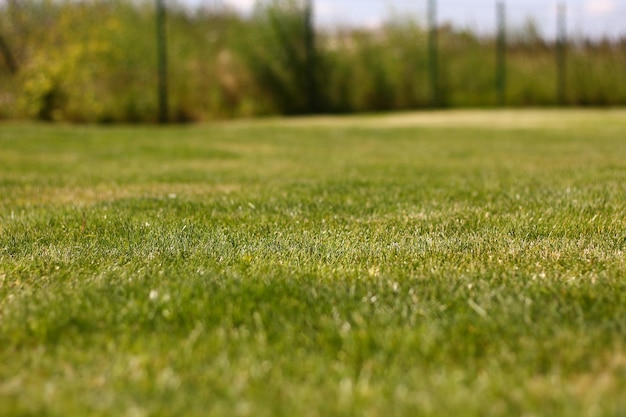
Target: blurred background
x,y
194,60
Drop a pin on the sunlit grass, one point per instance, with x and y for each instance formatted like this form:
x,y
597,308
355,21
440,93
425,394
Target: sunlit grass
x,y
316,268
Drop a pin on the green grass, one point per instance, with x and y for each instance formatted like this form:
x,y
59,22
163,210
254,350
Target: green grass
x,y
376,266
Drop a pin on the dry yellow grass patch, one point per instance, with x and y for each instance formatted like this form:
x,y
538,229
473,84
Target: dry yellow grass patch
x,y
497,119
84,196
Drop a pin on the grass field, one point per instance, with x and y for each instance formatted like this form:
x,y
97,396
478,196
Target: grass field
x,y
440,264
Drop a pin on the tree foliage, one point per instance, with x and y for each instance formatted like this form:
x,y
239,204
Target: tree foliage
x,y
95,61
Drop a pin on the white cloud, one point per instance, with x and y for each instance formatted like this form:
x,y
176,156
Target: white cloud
x,y
326,9
243,5
600,6
323,8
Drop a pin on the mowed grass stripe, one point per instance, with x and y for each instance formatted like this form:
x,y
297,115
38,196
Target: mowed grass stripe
x,y
270,268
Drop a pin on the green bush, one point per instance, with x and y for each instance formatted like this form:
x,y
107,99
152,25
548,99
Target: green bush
x,y
278,57
95,61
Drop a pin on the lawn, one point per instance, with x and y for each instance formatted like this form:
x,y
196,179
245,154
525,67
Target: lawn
x,y
438,264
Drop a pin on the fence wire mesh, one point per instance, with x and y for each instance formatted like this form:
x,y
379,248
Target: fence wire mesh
x,y
112,61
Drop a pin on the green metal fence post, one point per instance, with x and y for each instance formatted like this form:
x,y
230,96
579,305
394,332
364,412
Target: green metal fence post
x,y
561,51
161,40
311,58
501,54
433,53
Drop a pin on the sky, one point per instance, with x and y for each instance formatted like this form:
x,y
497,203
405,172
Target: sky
x,y
584,17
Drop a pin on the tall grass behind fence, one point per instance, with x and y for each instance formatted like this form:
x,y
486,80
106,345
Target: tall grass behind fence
x,y
96,61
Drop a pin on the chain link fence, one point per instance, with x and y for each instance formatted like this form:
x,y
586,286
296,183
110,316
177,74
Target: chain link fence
x,y
160,60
